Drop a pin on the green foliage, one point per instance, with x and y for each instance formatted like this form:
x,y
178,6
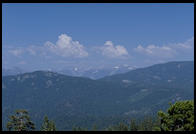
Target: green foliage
x,y
156,126
179,117
133,125
48,125
79,129
119,127
20,122
94,128
147,124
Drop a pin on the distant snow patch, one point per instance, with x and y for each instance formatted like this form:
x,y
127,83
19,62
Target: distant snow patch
x,y
144,90
156,77
169,80
75,69
126,81
116,67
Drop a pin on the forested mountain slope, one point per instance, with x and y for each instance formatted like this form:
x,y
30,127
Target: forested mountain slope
x,y
76,100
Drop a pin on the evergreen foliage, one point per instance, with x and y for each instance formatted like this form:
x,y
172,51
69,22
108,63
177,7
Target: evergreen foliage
x,y
79,129
133,125
48,125
179,117
20,121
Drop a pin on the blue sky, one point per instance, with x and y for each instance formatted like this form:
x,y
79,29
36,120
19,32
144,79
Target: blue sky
x,y
43,36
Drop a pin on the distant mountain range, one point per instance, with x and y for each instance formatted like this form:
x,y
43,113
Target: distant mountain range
x,y
93,73
96,73
72,100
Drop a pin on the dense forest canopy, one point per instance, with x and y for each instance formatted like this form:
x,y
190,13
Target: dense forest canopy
x,y
179,117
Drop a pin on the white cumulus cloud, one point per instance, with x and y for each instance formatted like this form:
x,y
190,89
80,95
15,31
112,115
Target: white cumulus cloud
x,y
185,46
167,51
152,50
16,52
112,51
66,47
31,50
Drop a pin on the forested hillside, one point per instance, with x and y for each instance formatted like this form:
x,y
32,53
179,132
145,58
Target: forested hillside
x,y
81,101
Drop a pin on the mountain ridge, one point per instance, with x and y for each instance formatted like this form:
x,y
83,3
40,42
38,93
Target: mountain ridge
x,y
80,97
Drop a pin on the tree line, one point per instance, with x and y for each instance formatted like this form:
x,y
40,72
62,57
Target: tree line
x,y
178,117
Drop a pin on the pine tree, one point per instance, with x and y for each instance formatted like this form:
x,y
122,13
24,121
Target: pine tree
x,y
133,125
94,128
122,127
119,127
147,124
48,125
20,121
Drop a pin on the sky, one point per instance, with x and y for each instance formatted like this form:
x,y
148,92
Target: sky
x,y
95,35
